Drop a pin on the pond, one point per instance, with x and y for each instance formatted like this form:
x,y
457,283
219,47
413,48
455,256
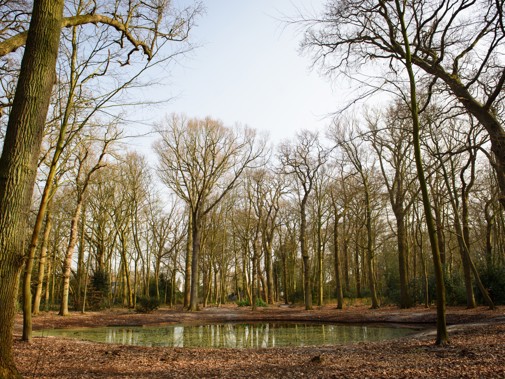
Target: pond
x,y
233,335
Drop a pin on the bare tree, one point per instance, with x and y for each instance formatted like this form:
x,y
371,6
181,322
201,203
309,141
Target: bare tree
x,y
85,171
459,56
450,152
390,138
202,161
344,136
303,161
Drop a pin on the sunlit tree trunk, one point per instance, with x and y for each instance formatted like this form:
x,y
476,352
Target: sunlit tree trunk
x,y
81,263
42,264
67,263
18,163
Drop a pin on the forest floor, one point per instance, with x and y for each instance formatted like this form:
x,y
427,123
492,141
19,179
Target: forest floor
x,y
476,349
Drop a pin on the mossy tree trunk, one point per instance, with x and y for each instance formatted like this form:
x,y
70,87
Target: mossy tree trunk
x,y
18,163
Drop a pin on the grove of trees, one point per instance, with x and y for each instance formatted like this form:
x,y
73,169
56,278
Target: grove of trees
x,y
400,203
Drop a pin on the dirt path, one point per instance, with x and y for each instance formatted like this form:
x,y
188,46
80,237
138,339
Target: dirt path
x,y
477,348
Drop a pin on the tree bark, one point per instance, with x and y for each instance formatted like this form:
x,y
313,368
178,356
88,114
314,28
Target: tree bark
x,y
399,212
195,257
18,163
269,268
187,269
67,264
370,247
338,278
305,256
42,264
442,335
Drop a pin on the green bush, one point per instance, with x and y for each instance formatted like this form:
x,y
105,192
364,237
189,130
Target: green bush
x,y
243,303
494,281
296,297
147,305
391,288
455,292
246,303
98,293
260,302
455,289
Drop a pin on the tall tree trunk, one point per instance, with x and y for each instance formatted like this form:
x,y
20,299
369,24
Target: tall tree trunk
x,y
47,193
196,222
157,266
305,257
269,269
405,300
442,335
187,268
439,225
338,279
345,238
254,282
49,282
18,163
42,263
490,222
67,263
81,266
285,277
320,261
370,249
357,271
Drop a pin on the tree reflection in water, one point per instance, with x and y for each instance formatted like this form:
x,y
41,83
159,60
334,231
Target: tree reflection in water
x,y
234,335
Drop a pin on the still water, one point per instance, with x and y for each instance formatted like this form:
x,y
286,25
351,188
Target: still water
x,y
233,335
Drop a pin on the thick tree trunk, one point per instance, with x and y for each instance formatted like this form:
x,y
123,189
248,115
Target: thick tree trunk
x,y
18,163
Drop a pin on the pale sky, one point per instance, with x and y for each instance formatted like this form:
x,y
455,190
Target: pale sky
x,y
248,70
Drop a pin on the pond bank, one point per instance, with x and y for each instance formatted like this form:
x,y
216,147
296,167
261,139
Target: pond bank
x,y
476,349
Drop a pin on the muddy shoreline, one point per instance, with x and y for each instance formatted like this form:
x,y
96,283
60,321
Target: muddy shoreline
x,y
476,349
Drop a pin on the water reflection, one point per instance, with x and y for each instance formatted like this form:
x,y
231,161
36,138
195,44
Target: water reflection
x,y
234,335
